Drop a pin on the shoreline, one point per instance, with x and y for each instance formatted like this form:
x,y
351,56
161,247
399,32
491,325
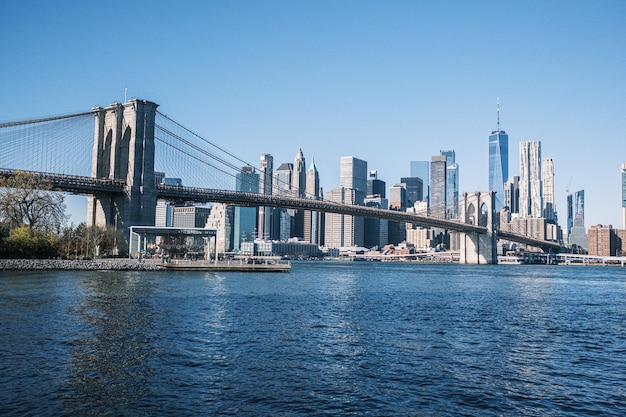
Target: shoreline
x,y
118,264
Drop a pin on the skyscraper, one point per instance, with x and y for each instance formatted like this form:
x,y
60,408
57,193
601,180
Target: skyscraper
x,y
343,230
247,180
624,198
498,162
353,174
511,194
265,187
282,221
547,179
298,188
530,203
414,189
452,184
312,218
375,187
421,169
578,235
438,170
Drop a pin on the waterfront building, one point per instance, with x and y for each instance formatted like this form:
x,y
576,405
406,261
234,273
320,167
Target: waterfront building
x,y
530,202
452,184
190,216
221,218
603,241
163,214
547,180
578,235
438,170
421,169
498,162
414,189
266,172
247,180
623,178
343,230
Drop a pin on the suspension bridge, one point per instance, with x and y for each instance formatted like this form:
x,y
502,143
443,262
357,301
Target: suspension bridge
x,y
114,164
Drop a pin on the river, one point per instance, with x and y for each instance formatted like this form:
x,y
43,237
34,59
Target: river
x,y
327,338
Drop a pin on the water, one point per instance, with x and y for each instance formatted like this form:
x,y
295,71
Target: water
x,y
325,339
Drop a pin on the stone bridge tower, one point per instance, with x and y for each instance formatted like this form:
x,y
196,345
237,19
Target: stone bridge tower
x,y
479,248
123,149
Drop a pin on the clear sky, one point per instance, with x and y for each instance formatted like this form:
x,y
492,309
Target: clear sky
x,y
385,81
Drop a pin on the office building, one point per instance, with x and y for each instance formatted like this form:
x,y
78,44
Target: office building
x,y
530,202
190,216
397,197
312,219
344,230
414,190
298,189
452,184
266,173
247,180
375,187
578,234
511,195
438,194
421,169
353,174
623,178
547,180
376,233
498,162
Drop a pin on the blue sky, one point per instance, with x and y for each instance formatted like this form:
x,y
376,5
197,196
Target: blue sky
x,y
386,81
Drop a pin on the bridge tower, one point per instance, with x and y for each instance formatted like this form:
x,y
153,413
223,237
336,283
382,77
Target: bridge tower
x,y
123,149
479,248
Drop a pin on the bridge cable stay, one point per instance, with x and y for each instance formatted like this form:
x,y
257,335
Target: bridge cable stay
x,y
61,144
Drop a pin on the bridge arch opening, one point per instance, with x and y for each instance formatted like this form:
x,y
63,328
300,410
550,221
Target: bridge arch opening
x,y
483,219
471,214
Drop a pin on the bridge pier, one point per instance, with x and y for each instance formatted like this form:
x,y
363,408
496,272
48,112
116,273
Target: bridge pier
x,y
479,248
124,149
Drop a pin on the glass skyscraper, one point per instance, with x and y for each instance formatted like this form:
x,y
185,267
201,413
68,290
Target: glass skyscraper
x,y
498,162
623,195
421,169
452,184
247,180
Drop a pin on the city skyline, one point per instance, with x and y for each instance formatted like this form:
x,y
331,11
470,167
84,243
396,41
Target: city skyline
x,y
383,82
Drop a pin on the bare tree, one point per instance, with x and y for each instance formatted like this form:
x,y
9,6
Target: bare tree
x,y
28,200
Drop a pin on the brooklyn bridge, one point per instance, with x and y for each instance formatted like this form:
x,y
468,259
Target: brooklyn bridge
x,y
113,162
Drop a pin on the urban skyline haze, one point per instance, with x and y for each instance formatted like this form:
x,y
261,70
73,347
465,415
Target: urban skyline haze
x,y
385,82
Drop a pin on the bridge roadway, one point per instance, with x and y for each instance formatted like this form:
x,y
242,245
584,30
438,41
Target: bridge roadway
x,y
87,185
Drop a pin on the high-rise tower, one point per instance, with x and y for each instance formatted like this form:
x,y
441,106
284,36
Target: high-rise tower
x,y
498,161
624,196
452,184
247,180
530,203
438,184
547,180
312,218
265,187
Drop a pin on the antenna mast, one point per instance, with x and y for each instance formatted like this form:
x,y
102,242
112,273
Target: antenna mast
x,y
498,111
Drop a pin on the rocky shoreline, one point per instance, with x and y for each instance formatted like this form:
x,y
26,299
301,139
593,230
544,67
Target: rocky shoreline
x,y
77,265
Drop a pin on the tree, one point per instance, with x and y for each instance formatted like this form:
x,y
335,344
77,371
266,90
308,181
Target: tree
x,y
25,242
28,200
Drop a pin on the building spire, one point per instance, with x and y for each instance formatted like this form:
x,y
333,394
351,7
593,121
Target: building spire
x,y
498,111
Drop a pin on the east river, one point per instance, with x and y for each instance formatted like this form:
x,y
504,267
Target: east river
x,y
328,338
